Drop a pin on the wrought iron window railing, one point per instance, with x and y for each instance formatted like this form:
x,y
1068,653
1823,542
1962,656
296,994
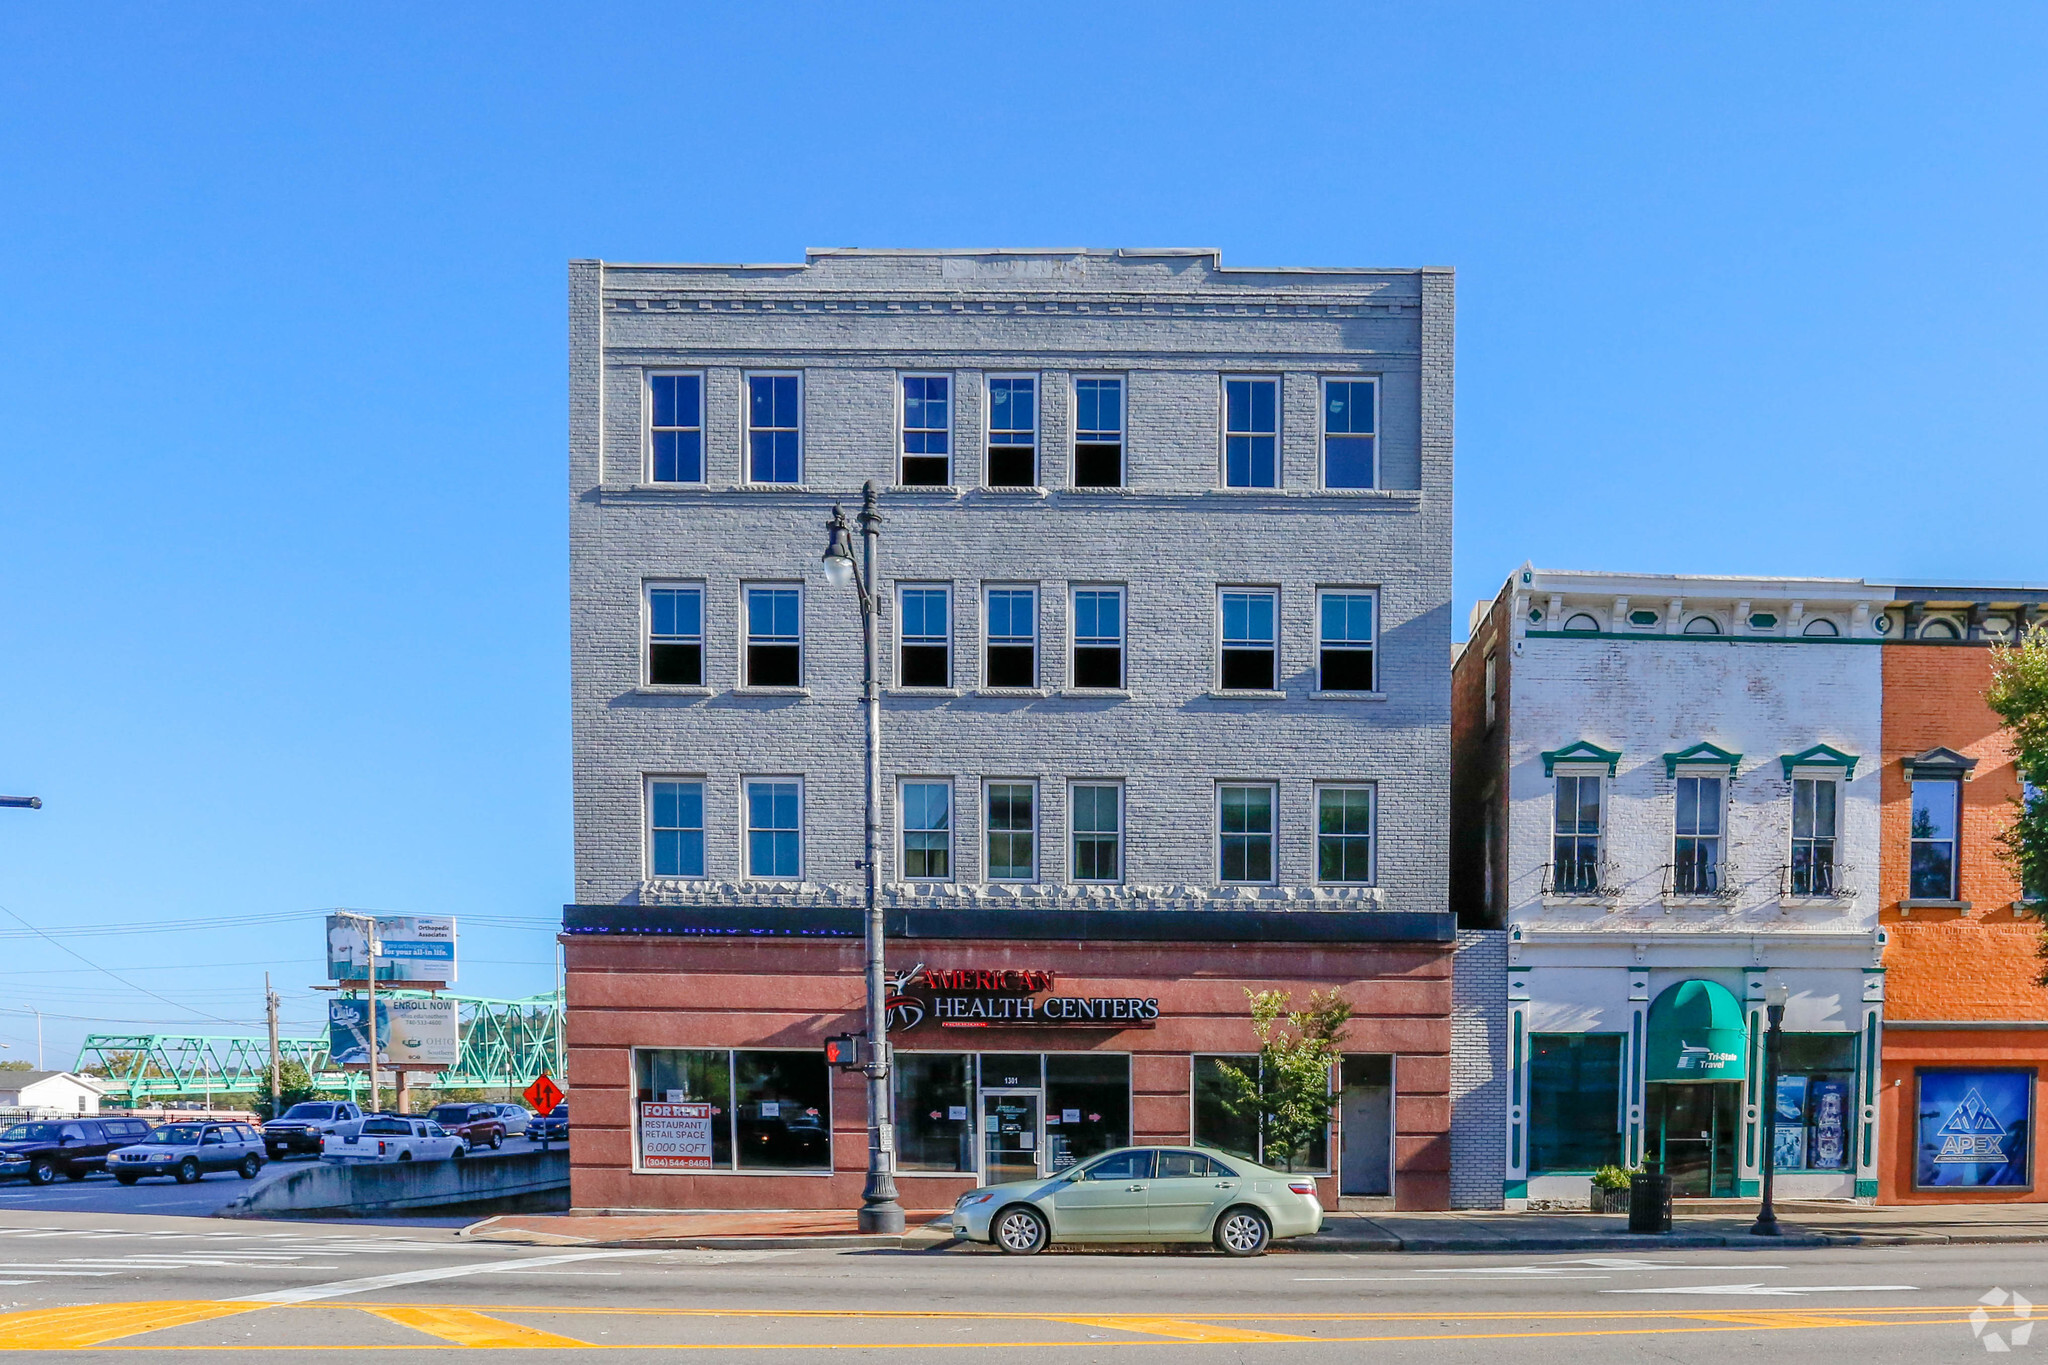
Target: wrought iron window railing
x,y
1579,877
1816,879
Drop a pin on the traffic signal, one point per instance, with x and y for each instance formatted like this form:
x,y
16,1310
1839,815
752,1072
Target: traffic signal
x,y
844,1051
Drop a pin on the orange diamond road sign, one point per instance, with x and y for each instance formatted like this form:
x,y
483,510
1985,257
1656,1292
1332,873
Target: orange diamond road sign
x,y
543,1094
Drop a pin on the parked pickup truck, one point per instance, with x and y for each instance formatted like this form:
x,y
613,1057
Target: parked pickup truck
x,y
478,1125
386,1137
301,1127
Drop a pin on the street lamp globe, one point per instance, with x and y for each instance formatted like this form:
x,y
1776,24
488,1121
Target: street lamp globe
x,y
838,556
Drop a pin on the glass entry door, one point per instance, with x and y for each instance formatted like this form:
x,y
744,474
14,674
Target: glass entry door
x,y
1010,1133
1692,1136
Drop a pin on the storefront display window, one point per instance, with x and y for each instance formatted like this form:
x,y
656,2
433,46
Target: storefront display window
x,y
934,1099
1010,1071
1574,1101
782,1110
702,1109
1974,1129
1810,1121
1087,1106
681,1135
1215,1125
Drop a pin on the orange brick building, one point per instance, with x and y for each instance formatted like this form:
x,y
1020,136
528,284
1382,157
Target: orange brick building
x,y
1966,1022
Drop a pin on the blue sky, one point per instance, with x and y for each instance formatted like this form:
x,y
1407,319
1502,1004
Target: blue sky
x,y
282,346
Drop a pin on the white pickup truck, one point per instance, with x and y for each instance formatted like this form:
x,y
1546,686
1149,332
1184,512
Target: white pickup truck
x,y
302,1127
386,1137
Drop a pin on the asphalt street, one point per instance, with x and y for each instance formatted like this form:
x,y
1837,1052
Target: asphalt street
x,y
150,1287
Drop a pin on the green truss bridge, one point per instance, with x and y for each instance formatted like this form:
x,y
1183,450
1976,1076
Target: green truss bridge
x,y
505,1044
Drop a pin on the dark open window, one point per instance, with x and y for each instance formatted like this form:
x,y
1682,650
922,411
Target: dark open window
x,y
774,637
1013,432
1248,640
1099,637
1345,646
925,655
927,429
675,636
1098,433
1012,638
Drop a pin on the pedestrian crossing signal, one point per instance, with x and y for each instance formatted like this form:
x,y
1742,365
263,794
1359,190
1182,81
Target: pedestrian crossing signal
x,y
843,1051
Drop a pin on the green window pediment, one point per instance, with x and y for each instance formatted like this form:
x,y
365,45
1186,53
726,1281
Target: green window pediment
x,y
1696,1034
1820,756
1702,753
1585,751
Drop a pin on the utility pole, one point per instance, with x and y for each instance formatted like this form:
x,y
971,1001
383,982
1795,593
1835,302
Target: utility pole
x,y
370,945
270,1003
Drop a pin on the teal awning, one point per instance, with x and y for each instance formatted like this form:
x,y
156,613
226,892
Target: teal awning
x,y
1696,1034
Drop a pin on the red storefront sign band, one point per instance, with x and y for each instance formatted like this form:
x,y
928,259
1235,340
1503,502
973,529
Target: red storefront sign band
x,y
964,997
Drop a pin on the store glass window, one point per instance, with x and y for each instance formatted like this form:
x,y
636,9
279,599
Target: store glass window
x,y
1574,1101
1087,1105
934,1101
782,1109
1816,1084
683,1140
1010,1071
1218,1124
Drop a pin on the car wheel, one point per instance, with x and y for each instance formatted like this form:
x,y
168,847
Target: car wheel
x,y
188,1171
250,1165
1019,1231
1242,1232
75,1174
405,1156
42,1171
459,1153
126,1178
496,1142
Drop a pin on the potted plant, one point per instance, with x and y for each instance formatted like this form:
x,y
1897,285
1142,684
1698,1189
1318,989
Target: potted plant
x,y
1610,1189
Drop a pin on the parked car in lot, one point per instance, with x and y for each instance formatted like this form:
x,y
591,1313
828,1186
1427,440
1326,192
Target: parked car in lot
x,y
302,1127
44,1149
478,1125
1145,1194
516,1117
387,1137
553,1124
187,1151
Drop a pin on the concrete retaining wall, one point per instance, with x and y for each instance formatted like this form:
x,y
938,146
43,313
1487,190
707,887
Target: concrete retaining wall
x,y
512,1182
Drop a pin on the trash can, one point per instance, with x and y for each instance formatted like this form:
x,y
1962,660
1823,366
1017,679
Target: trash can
x,y
1649,1202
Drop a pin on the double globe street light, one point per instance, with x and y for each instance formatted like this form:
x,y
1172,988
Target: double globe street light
x,y
879,1210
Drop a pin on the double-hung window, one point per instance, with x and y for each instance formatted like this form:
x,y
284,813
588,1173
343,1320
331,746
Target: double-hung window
x,y
924,646
675,636
1097,820
774,429
1350,427
1933,873
676,428
1012,649
927,831
1250,646
1344,835
1012,823
1813,836
1251,433
1245,832
1099,637
774,636
1575,855
927,430
675,827
1696,850
1345,641
775,827
1013,432
1098,433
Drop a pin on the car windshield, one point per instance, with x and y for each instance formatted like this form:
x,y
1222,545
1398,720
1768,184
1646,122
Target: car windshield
x,y
560,1111
451,1113
310,1111
389,1126
177,1135
30,1132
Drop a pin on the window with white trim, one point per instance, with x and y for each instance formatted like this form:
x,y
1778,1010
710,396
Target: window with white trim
x,y
675,635
1696,835
1012,831
1814,814
775,827
1011,651
675,413
1251,433
774,635
1013,431
1096,811
927,831
924,650
927,430
1933,834
1250,644
1344,649
1098,638
1350,433
1245,831
1575,855
774,428
675,827
1344,834
1098,433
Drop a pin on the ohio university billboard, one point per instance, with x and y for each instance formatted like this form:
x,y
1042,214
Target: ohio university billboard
x,y
411,1031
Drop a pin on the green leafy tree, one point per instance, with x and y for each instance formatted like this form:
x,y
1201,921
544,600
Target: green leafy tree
x,y
294,1086
1288,1091
2019,694
17,1066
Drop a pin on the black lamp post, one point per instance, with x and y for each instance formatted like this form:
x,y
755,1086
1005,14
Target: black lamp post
x,y
879,1210
1767,1218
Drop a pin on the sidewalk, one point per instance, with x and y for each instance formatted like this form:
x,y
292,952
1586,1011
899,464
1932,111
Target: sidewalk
x,y
1804,1223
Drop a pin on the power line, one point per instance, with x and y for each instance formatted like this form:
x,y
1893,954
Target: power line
x,y
96,967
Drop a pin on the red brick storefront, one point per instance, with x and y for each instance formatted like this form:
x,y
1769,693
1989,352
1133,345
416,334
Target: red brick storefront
x,y
655,994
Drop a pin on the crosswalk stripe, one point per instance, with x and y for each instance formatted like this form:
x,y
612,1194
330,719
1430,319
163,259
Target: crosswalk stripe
x,y
466,1327
50,1329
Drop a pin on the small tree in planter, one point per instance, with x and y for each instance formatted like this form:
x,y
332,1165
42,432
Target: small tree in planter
x,y
1288,1091
1610,1189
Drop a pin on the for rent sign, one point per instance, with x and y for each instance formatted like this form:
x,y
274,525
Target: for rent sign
x,y
676,1137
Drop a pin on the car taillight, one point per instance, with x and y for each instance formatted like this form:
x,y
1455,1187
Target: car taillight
x,y
380,1149
1302,1186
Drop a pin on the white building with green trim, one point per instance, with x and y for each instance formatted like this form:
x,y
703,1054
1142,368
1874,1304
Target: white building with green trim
x,y
1666,792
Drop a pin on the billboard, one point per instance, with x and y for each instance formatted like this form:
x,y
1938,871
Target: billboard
x,y
1974,1128
411,1031
409,948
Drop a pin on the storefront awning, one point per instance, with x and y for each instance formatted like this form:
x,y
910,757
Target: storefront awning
x,y
1696,1034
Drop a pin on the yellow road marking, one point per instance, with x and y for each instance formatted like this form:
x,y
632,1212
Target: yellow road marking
x,y
57,1329
467,1327
1180,1329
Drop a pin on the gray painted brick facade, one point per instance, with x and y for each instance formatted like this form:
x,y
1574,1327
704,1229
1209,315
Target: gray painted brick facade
x,y
1479,1068
1172,323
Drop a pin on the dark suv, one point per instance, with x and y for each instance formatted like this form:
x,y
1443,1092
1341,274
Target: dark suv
x,y
478,1125
43,1149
